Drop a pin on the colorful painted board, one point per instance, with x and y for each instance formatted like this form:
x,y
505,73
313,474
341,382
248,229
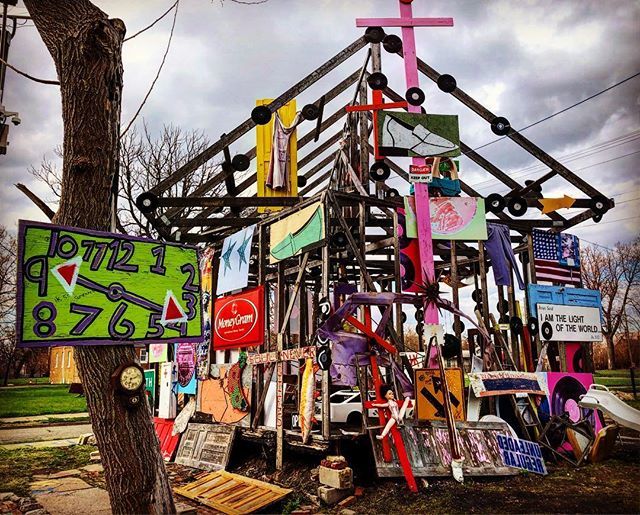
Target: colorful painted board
x,y
158,352
521,454
219,394
418,135
185,354
504,382
429,450
238,320
150,385
569,323
233,272
82,287
168,441
410,269
297,233
452,218
428,394
202,351
264,144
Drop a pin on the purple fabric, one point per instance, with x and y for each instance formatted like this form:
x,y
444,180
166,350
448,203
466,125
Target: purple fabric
x,y
499,249
343,355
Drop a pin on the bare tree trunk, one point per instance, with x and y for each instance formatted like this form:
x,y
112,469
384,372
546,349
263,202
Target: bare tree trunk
x,y
611,352
86,48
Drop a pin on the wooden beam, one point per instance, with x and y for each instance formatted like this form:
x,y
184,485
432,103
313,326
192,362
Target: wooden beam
x,y
514,135
248,124
227,201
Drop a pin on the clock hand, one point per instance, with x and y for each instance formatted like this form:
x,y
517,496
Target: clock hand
x,y
115,292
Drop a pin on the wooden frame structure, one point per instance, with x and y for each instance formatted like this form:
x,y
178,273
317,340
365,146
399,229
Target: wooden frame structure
x,y
336,173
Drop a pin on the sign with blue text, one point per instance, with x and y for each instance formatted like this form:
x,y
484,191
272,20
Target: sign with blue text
x,y
521,454
82,287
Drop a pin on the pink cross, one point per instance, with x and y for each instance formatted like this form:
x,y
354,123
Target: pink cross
x,y
407,22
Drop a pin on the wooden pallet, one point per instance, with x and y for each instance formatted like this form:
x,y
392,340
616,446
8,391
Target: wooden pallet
x,y
232,493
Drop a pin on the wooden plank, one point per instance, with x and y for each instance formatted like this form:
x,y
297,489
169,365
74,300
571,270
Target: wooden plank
x,y
226,201
248,124
429,452
231,493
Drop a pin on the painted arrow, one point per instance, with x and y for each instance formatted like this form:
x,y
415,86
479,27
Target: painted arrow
x,y
553,204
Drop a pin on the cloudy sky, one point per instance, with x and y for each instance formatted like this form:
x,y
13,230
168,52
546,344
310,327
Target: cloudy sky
x,y
524,60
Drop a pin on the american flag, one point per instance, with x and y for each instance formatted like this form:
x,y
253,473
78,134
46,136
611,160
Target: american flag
x,y
547,256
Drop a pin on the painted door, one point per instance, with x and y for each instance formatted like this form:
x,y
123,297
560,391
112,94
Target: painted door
x,y
167,397
543,294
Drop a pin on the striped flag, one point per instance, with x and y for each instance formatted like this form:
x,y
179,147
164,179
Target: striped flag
x,y
553,261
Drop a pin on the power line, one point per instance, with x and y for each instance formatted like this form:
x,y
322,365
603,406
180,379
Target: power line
x,y
611,221
152,24
567,158
164,58
564,110
30,77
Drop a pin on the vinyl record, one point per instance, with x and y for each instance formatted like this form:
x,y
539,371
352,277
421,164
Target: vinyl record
x,y
147,202
516,324
532,324
392,43
339,240
546,331
459,326
503,306
377,81
302,181
446,83
323,357
374,34
500,126
310,112
419,315
408,272
599,205
495,203
565,397
379,171
261,115
517,206
392,193
452,346
578,360
240,162
324,306
415,96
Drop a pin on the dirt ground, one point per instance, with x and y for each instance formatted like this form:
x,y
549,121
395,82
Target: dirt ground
x,y
609,487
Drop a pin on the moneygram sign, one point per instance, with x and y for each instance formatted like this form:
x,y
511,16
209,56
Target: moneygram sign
x,y
239,320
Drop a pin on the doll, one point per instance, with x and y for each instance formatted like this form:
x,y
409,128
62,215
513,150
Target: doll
x,y
397,413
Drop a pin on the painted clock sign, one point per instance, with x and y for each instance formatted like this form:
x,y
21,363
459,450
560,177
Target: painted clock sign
x,y
82,287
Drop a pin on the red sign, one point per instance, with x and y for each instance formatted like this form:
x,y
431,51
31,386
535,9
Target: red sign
x,y
238,320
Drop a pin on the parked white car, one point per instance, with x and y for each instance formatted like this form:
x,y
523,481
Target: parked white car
x,y
346,407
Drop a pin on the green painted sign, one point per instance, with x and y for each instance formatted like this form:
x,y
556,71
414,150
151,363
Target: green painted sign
x,y
150,384
418,135
82,287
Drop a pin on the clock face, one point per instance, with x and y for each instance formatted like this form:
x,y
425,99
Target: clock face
x,y
131,378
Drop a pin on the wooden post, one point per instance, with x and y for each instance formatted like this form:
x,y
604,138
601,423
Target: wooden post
x,y
483,283
326,270
397,276
456,299
532,280
364,139
279,370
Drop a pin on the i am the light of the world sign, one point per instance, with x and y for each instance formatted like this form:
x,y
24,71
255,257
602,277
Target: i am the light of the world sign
x,y
82,287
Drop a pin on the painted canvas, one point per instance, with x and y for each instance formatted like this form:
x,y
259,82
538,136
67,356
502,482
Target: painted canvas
x,y
157,352
233,272
410,269
418,135
297,233
204,347
452,218
227,395
186,359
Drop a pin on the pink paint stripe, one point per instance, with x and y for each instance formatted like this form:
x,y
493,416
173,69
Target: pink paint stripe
x,y
404,22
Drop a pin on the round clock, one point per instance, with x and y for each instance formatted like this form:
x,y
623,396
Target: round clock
x,y
131,378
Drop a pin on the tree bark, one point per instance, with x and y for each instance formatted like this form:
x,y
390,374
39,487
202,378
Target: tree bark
x,y
86,48
611,351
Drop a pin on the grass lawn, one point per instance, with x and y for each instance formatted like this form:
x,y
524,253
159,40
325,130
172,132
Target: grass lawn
x,y
17,466
39,400
20,381
622,372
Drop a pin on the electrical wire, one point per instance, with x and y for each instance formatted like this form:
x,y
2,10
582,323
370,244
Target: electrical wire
x,y
30,77
610,221
563,110
152,23
164,58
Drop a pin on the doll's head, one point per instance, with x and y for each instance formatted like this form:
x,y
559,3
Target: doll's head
x,y
387,392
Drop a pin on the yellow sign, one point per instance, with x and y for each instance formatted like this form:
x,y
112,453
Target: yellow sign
x,y
429,398
264,145
553,204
